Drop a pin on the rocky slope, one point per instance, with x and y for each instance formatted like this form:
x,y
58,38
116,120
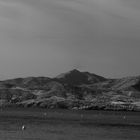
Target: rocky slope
x,y
72,90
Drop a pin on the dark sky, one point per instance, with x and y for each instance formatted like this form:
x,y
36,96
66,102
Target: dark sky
x,y
48,37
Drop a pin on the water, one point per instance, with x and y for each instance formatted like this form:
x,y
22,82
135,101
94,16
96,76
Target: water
x,y
69,125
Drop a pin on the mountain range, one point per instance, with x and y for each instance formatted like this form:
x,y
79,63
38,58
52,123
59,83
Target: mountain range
x,y
72,90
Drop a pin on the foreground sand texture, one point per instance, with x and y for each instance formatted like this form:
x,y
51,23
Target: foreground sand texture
x,y
68,125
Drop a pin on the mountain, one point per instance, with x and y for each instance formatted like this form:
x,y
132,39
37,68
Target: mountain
x,y
75,77
72,90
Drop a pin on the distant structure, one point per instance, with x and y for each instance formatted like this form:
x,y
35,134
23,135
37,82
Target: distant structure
x,y
82,116
124,117
45,114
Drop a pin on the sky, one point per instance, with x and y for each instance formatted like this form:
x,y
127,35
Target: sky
x,y
49,37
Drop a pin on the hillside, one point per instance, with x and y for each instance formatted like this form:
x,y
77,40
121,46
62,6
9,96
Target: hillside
x,y
76,77
72,90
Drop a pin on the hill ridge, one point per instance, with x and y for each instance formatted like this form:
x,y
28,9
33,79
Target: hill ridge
x,y
73,89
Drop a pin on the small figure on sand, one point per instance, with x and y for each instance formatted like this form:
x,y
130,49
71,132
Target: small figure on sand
x,y
23,127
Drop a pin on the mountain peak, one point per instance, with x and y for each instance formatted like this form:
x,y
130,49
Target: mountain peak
x,y
63,75
74,70
75,77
